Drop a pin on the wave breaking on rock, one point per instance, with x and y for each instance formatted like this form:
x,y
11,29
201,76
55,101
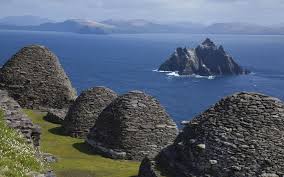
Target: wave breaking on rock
x,y
205,60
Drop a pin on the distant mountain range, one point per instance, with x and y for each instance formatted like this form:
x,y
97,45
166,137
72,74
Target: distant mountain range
x,y
26,20
32,23
243,28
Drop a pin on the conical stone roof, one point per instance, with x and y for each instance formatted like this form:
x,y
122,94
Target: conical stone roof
x,y
242,135
84,112
131,127
35,78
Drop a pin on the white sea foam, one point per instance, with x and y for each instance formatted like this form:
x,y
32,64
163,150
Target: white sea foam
x,y
203,77
176,74
156,70
211,77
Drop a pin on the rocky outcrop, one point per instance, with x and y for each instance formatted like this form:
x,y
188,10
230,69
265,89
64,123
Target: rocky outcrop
x,y
35,79
131,127
205,60
82,115
56,116
242,135
16,119
36,174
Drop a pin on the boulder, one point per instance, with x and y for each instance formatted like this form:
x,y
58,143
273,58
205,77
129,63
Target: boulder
x,y
132,126
49,158
56,116
18,120
205,60
36,80
84,112
36,174
242,135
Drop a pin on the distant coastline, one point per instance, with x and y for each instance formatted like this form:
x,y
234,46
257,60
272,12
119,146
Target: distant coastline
x,y
135,26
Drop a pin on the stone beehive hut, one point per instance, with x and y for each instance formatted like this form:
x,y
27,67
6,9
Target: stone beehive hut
x,y
35,78
84,112
242,135
16,118
132,126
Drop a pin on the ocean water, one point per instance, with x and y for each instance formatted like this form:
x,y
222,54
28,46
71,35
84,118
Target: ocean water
x,y
129,62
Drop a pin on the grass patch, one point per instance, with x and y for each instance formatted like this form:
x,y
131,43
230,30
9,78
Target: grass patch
x,y
75,157
17,158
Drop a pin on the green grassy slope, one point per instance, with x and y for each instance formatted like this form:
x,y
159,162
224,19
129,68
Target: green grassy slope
x,y
17,158
75,157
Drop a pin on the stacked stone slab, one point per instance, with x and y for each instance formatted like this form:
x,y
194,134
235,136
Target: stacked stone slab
x,y
84,112
131,127
35,79
16,118
242,135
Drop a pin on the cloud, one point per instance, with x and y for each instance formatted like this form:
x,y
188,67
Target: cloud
x,y
205,11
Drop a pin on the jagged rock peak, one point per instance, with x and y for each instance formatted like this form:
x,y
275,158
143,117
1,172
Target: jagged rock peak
x,y
208,43
84,112
221,49
206,59
132,126
241,135
35,78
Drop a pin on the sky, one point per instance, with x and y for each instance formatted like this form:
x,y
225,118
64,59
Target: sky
x,y
198,11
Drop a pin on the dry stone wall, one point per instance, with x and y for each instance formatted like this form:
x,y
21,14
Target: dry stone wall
x,y
16,118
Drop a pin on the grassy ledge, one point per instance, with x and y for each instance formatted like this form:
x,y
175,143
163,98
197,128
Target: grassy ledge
x,y
17,158
75,157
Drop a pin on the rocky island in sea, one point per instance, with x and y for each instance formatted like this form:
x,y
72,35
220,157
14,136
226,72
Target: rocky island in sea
x,y
207,59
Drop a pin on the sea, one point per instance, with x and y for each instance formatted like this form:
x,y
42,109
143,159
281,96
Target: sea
x,y
125,62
